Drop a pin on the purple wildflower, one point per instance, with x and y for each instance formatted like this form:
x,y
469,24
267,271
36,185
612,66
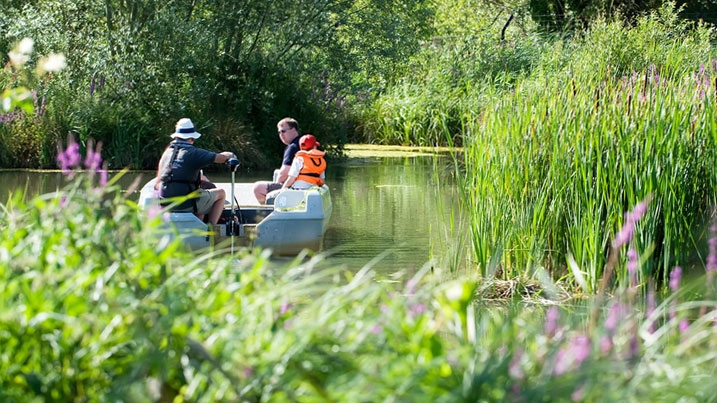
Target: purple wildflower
x,y
411,287
613,317
103,176
153,211
571,356
712,250
69,159
684,325
416,309
376,329
551,321
514,369
578,394
93,159
624,236
675,278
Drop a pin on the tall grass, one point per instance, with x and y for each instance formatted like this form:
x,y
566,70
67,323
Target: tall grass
x,y
552,165
97,305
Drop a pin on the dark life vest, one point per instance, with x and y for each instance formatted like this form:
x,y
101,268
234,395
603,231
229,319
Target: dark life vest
x,y
175,185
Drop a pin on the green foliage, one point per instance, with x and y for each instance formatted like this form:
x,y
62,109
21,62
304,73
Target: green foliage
x,y
23,124
220,63
573,15
98,305
552,166
451,76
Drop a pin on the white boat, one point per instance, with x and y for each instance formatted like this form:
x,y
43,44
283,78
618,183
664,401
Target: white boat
x,y
297,220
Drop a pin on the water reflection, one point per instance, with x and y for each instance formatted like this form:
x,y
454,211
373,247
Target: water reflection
x,y
388,207
388,212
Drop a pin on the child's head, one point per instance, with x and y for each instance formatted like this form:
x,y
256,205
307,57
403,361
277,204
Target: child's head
x,y
307,142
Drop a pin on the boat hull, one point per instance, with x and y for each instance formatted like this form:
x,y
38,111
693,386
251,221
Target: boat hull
x,y
298,220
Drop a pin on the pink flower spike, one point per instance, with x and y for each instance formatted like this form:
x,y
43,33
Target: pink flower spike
x,y
712,251
416,309
675,278
613,317
624,236
551,321
153,211
69,158
684,325
571,356
514,369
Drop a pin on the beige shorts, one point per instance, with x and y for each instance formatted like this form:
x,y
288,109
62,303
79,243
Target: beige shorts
x,y
204,202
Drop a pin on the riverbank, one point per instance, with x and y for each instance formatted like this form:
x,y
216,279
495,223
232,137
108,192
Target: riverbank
x,y
377,150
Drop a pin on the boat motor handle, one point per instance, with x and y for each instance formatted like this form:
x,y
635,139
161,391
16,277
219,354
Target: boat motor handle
x,y
233,164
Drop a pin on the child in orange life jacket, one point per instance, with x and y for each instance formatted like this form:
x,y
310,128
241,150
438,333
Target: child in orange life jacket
x,y
308,167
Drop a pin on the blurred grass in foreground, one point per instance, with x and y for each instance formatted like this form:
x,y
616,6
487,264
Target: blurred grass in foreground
x,y
96,305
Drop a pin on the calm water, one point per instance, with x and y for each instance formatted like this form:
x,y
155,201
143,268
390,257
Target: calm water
x,y
388,212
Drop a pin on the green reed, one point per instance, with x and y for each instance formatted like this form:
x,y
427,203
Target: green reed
x,y
553,165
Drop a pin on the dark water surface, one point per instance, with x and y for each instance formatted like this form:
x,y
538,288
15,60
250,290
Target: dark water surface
x,y
390,212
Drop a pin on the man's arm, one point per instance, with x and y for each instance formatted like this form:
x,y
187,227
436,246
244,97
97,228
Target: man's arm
x,y
283,173
223,157
294,171
289,181
159,172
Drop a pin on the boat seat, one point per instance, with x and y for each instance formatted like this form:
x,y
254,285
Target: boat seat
x,y
289,198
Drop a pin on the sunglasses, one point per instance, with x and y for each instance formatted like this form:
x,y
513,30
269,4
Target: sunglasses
x,y
283,130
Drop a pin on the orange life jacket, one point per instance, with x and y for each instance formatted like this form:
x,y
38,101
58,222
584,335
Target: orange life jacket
x,y
314,166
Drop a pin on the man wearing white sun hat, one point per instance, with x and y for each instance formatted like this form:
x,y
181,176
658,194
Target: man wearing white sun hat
x,y
180,173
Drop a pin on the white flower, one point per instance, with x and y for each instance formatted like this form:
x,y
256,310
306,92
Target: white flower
x,y
18,59
51,63
21,53
25,46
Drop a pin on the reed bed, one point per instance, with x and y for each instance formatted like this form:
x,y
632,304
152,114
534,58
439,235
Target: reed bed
x,y
553,165
562,137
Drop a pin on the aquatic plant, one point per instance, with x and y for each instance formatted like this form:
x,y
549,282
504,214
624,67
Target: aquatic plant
x,y
551,166
97,305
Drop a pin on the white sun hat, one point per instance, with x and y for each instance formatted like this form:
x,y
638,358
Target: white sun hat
x,y
185,130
